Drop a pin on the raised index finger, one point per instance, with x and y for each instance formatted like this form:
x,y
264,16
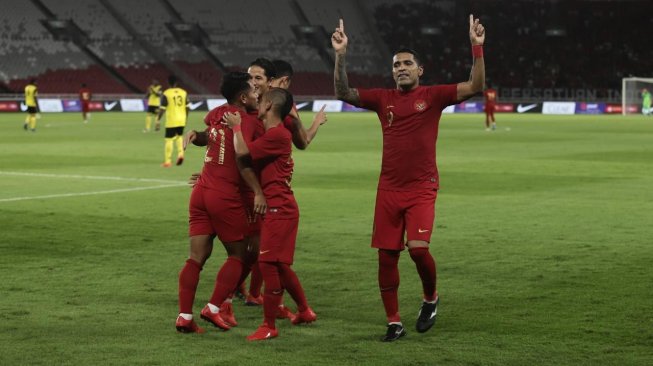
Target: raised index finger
x,y
471,21
342,26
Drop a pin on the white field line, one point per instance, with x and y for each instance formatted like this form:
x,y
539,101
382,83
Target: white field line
x,y
170,183
95,177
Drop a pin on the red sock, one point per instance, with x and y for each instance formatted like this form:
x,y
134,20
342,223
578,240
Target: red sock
x,y
255,281
272,293
389,283
291,283
189,276
227,280
426,269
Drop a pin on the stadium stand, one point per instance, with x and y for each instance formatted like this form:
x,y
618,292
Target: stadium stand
x,y
126,48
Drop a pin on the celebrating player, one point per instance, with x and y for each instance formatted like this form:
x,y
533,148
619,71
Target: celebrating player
x,y
153,96
408,184
216,207
280,223
175,105
31,93
490,96
85,99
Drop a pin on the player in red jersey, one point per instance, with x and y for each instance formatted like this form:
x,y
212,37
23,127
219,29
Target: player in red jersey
x,y
408,183
216,207
266,74
85,99
279,229
490,96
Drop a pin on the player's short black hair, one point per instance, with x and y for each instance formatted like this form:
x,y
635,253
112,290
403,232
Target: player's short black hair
x,y
172,80
282,101
416,56
283,68
234,84
267,66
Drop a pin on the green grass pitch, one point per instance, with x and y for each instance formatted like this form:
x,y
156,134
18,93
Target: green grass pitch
x,y
543,240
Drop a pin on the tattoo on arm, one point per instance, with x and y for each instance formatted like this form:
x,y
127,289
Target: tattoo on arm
x,y
341,82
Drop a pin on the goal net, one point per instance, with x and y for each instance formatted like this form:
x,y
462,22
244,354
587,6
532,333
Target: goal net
x,y
632,96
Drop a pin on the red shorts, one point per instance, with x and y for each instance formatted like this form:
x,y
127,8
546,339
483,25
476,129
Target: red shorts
x,y
489,108
217,213
278,238
400,215
85,106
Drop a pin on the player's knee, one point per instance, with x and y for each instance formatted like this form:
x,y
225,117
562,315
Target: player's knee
x,y
417,244
388,258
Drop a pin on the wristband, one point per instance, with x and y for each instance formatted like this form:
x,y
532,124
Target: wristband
x,y
236,128
477,50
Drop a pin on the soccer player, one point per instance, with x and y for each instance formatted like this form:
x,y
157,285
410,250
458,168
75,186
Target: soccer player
x,y
279,229
216,207
85,99
153,96
408,183
175,105
490,96
278,73
31,93
646,102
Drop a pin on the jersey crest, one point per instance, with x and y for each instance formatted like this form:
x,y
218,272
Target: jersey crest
x,y
420,105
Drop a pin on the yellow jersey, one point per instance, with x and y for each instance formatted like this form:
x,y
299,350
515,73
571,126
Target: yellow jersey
x,y
154,96
30,95
175,102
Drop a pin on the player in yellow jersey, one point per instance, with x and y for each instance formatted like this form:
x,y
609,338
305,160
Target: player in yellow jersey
x,y
153,96
174,103
31,92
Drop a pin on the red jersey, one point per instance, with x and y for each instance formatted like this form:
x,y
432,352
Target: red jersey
x,y
273,152
490,97
220,171
85,94
410,123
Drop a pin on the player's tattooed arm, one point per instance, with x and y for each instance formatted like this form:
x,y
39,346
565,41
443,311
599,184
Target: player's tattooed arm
x,y
339,42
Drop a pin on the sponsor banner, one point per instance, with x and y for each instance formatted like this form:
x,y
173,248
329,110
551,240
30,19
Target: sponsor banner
x,y
214,103
331,105
617,108
9,106
504,108
449,109
558,107
304,106
50,105
111,106
70,105
96,106
197,106
469,107
529,108
132,105
346,107
590,108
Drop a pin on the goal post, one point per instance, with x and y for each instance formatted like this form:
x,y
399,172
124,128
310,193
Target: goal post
x,y
631,93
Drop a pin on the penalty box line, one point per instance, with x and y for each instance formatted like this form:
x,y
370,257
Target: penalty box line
x,y
13,199
171,183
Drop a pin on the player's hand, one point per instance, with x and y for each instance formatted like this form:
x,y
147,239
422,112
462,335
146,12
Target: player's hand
x,y
476,31
260,204
192,181
231,119
189,138
339,39
320,117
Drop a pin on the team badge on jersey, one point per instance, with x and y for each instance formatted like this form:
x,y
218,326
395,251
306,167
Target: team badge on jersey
x,y
420,105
